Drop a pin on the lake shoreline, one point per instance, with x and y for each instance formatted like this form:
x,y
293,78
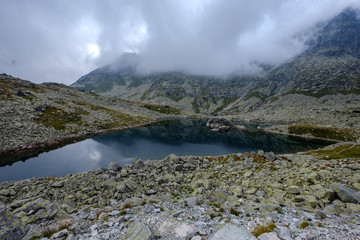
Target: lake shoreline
x,y
43,146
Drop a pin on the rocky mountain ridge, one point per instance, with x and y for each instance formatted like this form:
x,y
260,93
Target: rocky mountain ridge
x,y
328,69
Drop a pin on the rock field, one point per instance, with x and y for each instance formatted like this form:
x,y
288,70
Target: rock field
x,y
291,196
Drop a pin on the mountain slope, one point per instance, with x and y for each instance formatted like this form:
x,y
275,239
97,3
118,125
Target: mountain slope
x,y
329,71
37,115
321,83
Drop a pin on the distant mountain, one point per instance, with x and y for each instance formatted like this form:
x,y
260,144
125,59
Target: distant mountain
x,y
331,66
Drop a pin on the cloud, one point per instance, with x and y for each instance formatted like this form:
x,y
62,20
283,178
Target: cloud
x,y
61,40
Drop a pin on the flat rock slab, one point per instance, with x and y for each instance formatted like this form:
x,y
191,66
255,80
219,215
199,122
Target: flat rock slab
x,y
138,231
232,232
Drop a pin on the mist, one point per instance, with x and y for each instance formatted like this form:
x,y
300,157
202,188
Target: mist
x,y
62,40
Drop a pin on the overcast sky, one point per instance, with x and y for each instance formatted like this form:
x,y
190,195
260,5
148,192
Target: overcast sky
x,y
61,40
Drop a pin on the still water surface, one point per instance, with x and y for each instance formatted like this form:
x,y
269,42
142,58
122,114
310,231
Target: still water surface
x,y
185,137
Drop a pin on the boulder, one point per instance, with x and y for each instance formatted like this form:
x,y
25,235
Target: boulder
x,y
219,124
268,236
114,166
346,194
232,232
138,163
293,190
138,230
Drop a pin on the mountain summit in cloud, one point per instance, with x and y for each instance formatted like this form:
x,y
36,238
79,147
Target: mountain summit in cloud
x,y
341,35
329,67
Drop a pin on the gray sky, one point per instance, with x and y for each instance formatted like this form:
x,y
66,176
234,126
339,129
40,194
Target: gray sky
x,y
61,40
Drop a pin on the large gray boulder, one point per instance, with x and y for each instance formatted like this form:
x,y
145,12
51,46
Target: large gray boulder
x,y
232,232
346,194
138,230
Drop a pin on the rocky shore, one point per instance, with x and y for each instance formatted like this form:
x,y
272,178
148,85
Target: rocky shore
x,y
293,196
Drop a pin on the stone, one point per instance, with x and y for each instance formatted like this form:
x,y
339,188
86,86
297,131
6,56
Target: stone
x,y
138,230
130,184
346,194
58,184
270,156
70,237
123,172
150,192
138,163
121,187
268,236
196,238
284,233
114,166
322,193
353,208
232,232
293,190
63,233
268,208
236,190
114,213
311,201
248,174
184,230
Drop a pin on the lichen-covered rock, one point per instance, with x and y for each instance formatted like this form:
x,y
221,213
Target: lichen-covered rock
x,y
232,232
346,194
138,231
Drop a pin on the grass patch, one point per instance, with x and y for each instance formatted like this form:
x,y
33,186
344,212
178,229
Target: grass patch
x,y
342,151
341,134
263,229
162,109
323,92
234,212
28,97
225,103
258,95
58,118
195,106
304,225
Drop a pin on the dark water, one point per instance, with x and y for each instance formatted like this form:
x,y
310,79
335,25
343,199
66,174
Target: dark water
x,y
186,137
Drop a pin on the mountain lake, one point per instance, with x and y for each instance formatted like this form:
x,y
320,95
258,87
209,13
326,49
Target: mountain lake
x,y
180,137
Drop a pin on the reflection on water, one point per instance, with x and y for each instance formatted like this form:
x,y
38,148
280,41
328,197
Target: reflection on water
x,y
187,137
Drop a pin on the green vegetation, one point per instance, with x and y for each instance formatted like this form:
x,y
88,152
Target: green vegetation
x,y
341,134
58,118
304,224
225,103
263,229
342,151
195,106
28,97
145,94
320,224
136,81
322,92
234,212
162,109
258,95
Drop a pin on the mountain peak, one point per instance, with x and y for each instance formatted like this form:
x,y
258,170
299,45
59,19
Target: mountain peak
x,y
341,35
